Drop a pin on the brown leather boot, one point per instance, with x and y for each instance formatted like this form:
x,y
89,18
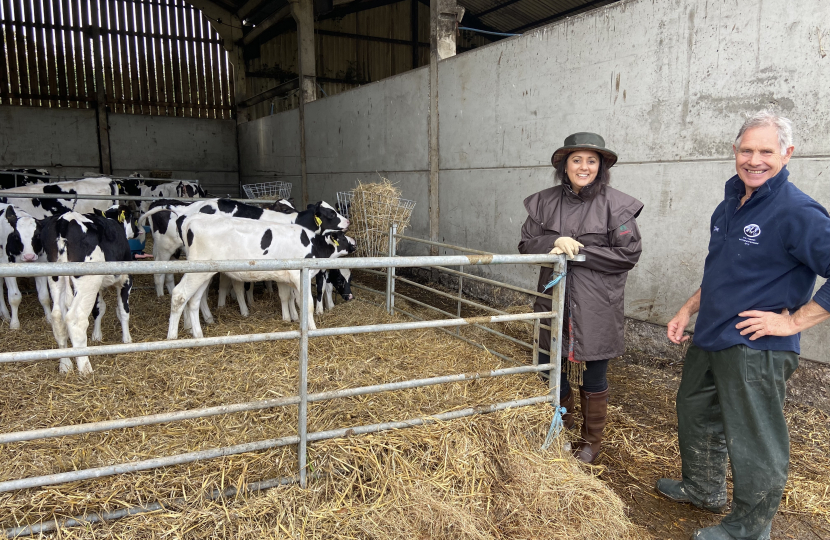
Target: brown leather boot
x,y
568,403
594,413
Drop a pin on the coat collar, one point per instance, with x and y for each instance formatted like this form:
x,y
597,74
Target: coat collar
x,y
735,188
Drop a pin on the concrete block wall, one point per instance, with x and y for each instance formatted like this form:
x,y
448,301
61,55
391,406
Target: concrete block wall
x,y
666,82
65,141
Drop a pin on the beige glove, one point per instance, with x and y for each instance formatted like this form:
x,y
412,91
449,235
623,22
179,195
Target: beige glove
x,y
568,245
556,251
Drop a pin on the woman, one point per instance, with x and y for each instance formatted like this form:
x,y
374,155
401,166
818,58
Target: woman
x,y
584,215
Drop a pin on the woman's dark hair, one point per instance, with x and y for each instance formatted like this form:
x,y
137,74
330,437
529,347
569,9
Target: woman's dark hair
x,y
603,175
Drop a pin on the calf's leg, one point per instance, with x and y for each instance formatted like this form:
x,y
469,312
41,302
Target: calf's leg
x,y
14,302
123,310
87,289
98,310
43,297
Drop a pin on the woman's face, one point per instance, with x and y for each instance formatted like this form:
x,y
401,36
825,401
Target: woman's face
x,y
582,168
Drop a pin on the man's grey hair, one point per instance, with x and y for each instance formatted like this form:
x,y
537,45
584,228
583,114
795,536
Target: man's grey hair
x,y
768,118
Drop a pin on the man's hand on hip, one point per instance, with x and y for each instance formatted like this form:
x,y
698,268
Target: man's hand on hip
x,y
766,323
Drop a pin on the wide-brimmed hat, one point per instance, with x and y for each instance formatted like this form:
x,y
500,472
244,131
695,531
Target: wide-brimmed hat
x,y
584,141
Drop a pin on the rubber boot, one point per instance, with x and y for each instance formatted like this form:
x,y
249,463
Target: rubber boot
x,y
594,414
568,403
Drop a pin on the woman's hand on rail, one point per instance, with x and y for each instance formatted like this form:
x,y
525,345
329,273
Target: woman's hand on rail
x,y
568,245
556,251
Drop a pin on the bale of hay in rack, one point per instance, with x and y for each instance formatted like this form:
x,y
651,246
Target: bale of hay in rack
x,y
373,208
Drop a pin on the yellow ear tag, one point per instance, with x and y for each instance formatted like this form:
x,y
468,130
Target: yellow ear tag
x,y
318,220
121,217
336,244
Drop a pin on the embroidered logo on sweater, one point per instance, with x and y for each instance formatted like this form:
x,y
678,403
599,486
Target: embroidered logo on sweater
x,y
751,232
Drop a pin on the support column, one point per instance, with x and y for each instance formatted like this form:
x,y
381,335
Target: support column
x,y
442,31
303,13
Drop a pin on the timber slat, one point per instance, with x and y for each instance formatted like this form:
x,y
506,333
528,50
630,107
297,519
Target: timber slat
x,y
86,36
138,95
147,18
60,57
143,81
210,73
48,46
187,99
195,69
29,47
5,94
175,65
78,40
109,85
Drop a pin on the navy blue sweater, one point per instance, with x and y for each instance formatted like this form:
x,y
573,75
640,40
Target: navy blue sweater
x,y
764,255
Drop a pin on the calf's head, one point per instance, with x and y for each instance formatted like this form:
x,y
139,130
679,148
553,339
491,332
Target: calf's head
x,y
327,218
342,282
22,236
189,189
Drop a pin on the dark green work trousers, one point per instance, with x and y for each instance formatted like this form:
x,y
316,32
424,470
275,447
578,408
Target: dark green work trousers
x,y
731,402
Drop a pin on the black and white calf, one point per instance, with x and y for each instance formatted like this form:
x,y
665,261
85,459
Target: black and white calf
x,y
211,238
10,178
20,244
329,281
43,208
97,237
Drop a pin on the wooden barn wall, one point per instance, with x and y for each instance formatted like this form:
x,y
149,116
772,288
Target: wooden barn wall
x,y
352,61
154,57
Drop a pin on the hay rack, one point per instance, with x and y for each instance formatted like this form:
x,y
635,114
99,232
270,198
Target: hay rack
x,y
371,216
268,190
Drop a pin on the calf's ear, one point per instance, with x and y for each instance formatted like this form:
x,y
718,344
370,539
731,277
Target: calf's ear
x,y
98,212
11,216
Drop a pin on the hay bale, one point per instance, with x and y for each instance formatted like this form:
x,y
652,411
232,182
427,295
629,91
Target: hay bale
x,y
374,208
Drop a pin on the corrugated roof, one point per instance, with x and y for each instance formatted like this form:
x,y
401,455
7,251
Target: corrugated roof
x,y
516,16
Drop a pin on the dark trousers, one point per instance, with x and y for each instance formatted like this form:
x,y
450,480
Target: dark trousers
x,y
731,402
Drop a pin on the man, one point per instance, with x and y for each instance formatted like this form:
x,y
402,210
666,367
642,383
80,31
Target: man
x,y
768,242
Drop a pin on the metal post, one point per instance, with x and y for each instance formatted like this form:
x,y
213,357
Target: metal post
x,y
536,327
302,428
390,272
460,294
557,325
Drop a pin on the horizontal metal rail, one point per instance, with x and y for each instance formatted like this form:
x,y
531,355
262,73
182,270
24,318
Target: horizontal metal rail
x,y
147,420
190,457
499,283
60,178
489,330
137,198
175,267
97,350
471,342
96,517
441,244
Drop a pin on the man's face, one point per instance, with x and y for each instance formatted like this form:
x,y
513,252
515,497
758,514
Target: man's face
x,y
759,158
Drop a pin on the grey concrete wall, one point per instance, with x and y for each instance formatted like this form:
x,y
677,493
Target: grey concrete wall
x,y
666,82
65,141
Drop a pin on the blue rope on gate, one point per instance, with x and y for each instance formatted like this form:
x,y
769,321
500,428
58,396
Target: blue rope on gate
x,y
554,281
556,426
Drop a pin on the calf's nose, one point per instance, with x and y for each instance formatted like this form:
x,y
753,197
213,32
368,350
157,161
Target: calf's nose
x,y
29,257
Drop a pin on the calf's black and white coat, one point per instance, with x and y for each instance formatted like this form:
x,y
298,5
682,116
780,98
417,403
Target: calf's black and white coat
x,y
20,244
97,237
210,238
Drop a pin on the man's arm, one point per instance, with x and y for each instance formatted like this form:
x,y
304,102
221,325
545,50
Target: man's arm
x,y
678,324
767,323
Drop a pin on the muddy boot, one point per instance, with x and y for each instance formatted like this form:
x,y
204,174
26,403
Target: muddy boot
x,y
568,403
594,413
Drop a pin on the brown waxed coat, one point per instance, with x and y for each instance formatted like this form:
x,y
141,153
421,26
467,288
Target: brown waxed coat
x,y
606,225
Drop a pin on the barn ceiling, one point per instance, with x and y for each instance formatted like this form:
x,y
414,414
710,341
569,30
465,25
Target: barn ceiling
x,y
266,19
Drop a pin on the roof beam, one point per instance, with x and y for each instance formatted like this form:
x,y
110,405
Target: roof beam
x,y
248,8
288,25
560,15
497,7
269,21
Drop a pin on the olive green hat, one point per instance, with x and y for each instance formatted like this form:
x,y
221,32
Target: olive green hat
x,y
584,141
